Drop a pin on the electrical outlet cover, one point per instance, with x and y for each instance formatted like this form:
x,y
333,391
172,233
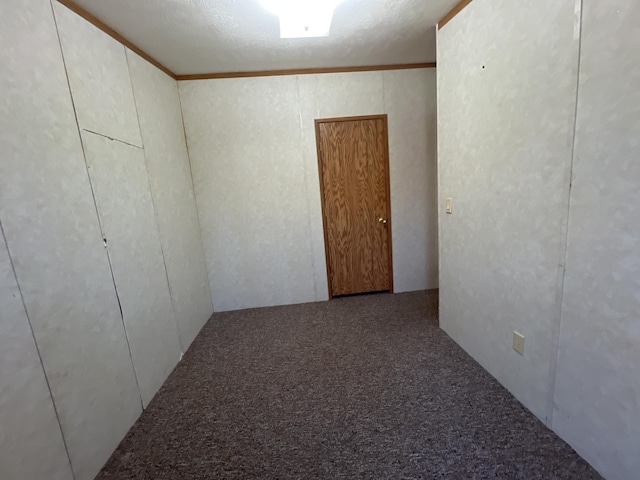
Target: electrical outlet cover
x,y
518,342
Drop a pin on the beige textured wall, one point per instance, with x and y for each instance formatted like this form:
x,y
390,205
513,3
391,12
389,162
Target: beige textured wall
x,y
505,124
252,148
30,427
165,151
508,82
108,159
115,159
53,237
597,387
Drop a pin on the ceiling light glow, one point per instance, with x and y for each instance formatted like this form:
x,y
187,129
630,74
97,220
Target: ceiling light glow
x,y
303,18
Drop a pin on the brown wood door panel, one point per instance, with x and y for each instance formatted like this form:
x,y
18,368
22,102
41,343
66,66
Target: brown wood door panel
x,y
353,165
380,180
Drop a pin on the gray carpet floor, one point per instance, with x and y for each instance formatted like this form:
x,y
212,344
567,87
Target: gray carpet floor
x,y
362,387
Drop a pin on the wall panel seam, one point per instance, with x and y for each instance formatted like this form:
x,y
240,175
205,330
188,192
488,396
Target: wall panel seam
x,y
153,205
95,204
306,191
35,342
562,259
195,197
112,138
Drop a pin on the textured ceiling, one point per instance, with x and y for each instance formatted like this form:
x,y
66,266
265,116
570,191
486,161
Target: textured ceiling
x,y
206,36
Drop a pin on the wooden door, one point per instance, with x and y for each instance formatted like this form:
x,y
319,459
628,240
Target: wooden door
x,y
353,160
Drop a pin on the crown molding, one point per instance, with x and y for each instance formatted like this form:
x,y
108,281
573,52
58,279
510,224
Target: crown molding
x,y
115,35
454,11
263,73
303,71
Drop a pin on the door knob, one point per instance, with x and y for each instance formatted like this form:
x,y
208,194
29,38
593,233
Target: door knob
x,y
382,220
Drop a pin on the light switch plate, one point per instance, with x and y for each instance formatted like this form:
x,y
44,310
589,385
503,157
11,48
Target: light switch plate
x,y
449,205
518,342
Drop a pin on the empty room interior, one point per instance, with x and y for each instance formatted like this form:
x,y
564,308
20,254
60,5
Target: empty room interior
x,y
319,239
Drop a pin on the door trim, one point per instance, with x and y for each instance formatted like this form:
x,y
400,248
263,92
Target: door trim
x,y
384,119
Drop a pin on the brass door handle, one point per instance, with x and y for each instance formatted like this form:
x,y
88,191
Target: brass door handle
x,y
382,220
